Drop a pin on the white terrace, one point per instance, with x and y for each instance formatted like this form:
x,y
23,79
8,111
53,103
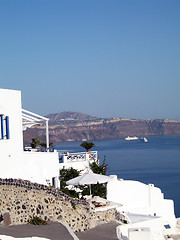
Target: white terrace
x,y
79,161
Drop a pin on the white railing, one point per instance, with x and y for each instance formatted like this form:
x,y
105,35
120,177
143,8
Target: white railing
x,y
77,157
30,149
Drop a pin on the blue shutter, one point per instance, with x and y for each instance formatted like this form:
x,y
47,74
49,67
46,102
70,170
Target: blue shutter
x,y
2,130
7,127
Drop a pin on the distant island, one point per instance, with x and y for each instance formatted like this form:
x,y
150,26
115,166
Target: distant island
x,y
74,126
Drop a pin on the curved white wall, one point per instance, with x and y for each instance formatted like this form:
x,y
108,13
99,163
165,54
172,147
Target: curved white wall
x,y
140,198
128,193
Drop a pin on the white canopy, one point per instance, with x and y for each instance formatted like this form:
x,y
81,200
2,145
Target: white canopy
x,y
89,178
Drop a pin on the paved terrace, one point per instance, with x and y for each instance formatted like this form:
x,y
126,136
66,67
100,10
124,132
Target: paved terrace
x,y
57,231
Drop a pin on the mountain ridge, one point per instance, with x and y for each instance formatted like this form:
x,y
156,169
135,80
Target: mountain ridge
x,y
68,115
75,126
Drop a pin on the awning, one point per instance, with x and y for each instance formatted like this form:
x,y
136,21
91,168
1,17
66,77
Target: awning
x,y
30,119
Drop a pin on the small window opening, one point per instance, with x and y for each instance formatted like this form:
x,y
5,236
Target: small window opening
x,y
167,226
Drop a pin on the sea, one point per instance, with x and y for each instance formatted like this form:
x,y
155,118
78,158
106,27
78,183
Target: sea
x,y
156,161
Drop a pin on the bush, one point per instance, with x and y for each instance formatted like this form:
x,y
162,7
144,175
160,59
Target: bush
x,y
65,175
35,142
37,221
73,205
99,168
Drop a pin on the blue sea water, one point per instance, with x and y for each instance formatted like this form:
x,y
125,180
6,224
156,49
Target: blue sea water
x,y
157,161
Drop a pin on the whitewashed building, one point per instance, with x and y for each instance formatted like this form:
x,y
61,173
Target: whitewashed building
x,y
40,167
149,215
137,197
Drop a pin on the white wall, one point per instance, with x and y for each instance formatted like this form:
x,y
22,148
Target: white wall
x,y
15,163
78,165
140,198
10,105
42,166
78,161
139,234
131,194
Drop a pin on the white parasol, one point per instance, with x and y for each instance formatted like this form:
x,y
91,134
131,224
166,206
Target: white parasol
x,y
88,178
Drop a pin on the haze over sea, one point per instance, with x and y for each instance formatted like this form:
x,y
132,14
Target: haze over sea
x,y
156,162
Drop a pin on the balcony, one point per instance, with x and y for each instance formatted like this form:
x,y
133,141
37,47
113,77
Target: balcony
x,y
79,161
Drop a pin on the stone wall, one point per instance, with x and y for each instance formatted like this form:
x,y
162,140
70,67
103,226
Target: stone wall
x,y
20,200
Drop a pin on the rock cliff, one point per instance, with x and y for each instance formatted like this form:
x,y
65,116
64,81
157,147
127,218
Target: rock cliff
x,y
69,126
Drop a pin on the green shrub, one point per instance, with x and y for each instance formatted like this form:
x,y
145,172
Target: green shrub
x,y
99,168
65,175
73,205
37,221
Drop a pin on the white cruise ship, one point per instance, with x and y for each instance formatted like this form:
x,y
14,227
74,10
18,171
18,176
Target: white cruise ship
x,y
131,138
143,139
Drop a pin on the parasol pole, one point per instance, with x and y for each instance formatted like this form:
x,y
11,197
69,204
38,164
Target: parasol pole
x,y
90,189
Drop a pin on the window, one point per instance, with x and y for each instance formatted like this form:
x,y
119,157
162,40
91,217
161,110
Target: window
x,y
167,226
4,127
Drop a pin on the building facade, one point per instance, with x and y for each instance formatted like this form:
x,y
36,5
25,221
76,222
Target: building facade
x,y
40,167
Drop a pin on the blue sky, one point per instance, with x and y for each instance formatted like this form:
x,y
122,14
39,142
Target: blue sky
x,y
115,58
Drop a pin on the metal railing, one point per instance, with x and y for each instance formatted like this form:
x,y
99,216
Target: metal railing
x,y
30,149
77,157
